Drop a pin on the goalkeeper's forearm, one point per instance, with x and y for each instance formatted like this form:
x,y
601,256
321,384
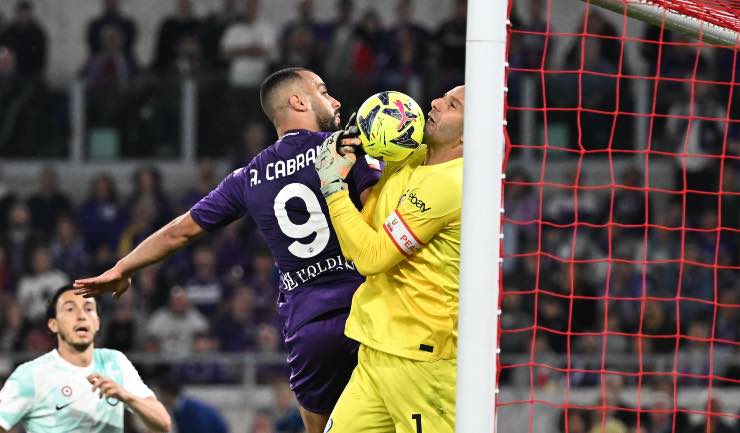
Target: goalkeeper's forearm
x,y
172,237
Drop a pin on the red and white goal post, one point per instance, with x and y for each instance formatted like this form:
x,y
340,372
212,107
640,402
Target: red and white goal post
x,y
612,303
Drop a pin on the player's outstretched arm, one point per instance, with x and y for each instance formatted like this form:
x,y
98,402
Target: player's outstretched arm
x,y
175,235
149,409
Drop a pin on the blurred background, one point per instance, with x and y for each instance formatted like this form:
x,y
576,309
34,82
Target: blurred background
x,y
117,115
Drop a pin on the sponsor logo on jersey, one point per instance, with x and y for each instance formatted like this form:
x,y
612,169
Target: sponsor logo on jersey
x,y
401,234
414,200
291,280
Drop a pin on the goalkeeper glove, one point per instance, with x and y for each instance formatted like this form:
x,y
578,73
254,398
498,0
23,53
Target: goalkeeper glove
x,y
332,167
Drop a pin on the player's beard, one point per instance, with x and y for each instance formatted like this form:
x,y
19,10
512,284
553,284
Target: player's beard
x,y
328,121
79,346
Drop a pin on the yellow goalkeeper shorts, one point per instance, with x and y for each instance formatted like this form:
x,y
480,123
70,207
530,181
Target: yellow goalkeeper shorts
x,y
388,394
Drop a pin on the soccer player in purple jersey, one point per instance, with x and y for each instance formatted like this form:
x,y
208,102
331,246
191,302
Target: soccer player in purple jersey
x,y
280,190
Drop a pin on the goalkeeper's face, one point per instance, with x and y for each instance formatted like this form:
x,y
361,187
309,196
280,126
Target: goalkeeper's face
x,y
444,125
76,322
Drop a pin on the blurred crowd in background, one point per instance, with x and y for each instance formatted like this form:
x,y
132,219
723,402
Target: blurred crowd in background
x,y
657,272
226,53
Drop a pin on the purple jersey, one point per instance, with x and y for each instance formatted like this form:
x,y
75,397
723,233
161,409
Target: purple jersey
x,y
279,188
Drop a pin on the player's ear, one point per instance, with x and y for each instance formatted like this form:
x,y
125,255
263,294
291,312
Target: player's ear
x,y
297,103
53,326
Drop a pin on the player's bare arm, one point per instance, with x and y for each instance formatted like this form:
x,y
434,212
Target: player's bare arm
x,y
149,409
177,234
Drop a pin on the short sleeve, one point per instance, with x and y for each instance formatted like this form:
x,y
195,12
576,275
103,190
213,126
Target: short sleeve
x,y
16,398
131,380
222,205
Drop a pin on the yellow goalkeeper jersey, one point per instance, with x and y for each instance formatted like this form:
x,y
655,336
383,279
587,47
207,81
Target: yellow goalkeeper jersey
x,y
407,242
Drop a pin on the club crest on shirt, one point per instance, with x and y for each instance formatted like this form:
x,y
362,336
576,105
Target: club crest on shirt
x,y
66,390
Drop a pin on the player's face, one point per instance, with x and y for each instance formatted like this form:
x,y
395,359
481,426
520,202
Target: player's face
x,y
324,106
445,120
77,321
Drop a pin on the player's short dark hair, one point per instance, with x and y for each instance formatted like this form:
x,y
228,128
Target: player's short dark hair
x,y
51,307
272,83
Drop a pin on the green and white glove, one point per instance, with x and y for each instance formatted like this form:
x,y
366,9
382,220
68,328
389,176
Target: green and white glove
x,y
332,167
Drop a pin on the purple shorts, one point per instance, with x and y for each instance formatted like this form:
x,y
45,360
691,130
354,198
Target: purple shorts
x,y
321,359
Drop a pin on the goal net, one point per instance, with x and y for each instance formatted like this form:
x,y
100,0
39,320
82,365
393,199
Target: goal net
x,y
621,291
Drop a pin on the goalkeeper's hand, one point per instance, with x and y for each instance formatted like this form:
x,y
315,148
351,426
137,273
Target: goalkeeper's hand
x,y
349,143
332,167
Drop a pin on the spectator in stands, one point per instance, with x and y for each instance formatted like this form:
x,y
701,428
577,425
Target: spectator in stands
x,y
68,248
450,39
14,328
142,223
148,185
300,49
262,422
408,53
123,331
629,202
110,69
175,325
693,356
248,45
49,203
37,287
262,279
205,180
340,45
287,417
702,137
153,286
7,198
189,60
27,41
17,239
214,27
236,327
204,289
578,421
713,423
254,139
208,369
172,29
306,21
657,323
370,50
190,415
4,272
101,216
111,17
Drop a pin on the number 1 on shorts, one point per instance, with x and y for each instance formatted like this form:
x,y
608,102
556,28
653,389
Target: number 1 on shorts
x,y
417,418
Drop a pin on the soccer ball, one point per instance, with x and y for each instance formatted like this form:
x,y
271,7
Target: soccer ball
x,y
391,125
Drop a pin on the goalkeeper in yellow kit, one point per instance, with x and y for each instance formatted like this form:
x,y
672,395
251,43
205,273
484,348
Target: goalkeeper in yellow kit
x,y
406,241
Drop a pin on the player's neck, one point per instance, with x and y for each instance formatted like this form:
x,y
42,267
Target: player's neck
x,y
296,123
74,357
443,153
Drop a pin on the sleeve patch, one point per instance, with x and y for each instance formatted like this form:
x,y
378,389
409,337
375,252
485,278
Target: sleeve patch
x,y
401,234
